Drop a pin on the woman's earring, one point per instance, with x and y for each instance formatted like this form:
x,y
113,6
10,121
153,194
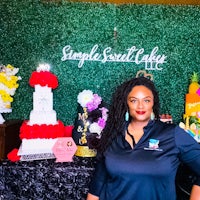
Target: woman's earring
x,y
127,116
152,116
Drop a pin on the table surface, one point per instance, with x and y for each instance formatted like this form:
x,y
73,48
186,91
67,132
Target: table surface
x,y
46,179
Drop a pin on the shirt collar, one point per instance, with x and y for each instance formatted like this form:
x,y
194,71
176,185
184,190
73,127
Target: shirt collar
x,y
147,127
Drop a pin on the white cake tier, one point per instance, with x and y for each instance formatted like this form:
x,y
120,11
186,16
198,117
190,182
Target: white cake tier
x,y
43,117
42,99
36,146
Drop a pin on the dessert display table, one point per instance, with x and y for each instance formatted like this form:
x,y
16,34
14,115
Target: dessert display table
x,y
48,180
45,179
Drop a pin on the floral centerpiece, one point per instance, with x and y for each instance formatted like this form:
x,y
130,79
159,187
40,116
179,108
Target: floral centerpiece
x,y
89,124
8,86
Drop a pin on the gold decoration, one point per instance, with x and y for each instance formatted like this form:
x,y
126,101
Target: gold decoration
x,y
144,74
84,151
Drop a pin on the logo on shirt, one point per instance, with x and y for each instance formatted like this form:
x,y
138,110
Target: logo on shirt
x,y
153,145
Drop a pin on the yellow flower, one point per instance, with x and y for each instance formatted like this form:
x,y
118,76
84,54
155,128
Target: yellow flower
x,y
5,96
8,84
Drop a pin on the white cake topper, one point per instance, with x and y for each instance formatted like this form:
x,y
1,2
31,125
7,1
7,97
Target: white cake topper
x,y
43,67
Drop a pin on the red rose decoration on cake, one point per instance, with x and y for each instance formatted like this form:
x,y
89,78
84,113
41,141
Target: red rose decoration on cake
x,y
43,77
12,156
41,131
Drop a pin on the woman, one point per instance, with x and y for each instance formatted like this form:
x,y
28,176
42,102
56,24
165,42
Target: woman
x,y
139,155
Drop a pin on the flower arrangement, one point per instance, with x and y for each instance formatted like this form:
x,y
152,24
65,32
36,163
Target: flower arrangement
x,y
95,117
8,86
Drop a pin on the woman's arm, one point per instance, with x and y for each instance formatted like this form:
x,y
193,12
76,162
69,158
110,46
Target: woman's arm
x,y
93,197
195,193
190,155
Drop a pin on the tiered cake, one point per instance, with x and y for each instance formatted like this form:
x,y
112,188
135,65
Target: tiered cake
x,y
192,109
89,123
40,132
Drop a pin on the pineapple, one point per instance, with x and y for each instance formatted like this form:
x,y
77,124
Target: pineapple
x,y
194,86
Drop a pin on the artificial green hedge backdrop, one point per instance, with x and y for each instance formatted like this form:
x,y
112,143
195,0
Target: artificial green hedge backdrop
x,y
36,31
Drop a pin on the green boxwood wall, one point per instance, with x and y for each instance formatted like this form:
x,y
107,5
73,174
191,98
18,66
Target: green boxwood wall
x,y
33,31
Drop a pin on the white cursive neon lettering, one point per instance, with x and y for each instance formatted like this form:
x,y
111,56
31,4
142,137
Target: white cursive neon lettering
x,y
133,55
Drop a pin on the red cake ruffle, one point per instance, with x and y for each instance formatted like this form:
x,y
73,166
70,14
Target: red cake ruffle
x,y
41,131
43,78
12,156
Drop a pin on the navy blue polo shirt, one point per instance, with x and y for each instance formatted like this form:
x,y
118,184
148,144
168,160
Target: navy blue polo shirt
x,y
148,171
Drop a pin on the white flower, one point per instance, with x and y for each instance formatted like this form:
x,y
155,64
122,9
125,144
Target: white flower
x,y
11,71
95,128
84,97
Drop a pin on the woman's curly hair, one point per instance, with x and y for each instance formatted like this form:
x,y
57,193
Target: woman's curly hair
x,y
118,108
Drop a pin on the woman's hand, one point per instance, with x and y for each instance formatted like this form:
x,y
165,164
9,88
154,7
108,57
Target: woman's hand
x,y
195,193
93,197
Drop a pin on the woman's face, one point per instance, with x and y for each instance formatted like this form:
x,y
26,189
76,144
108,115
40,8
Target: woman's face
x,y
140,103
